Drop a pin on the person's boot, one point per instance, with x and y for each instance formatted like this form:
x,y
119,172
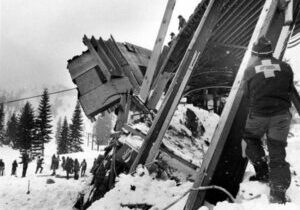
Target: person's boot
x,y
261,172
278,196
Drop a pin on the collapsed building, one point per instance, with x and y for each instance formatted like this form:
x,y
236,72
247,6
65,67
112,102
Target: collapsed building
x,y
204,63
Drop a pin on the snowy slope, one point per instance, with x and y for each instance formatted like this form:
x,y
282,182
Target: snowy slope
x,y
58,196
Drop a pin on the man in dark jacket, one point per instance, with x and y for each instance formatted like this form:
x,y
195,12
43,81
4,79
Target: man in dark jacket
x,y
39,163
83,167
2,167
14,168
25,160
268,85
54,164
182,22
76,169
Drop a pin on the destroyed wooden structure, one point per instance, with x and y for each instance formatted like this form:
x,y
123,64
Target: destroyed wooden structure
x,y
209,56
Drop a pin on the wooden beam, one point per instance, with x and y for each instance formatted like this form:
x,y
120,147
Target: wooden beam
x,y
134,131
281,46
151,144
204,175
93,51
145,88
159,89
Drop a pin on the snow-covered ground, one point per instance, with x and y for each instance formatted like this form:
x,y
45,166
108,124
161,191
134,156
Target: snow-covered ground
x,y
60,195
140,188
252,195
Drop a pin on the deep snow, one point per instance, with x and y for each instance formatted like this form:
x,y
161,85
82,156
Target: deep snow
x,y
139,188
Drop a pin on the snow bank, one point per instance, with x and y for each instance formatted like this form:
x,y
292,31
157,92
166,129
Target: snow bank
x,y
141,188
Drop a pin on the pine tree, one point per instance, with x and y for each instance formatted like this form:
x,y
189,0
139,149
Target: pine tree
x,y
58,130
12,131
2,116
76,129
43,123
63,140
26,128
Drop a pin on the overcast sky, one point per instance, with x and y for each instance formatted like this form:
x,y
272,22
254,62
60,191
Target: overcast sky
x,y
39,36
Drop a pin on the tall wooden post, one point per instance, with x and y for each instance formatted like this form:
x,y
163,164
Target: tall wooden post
x,y
151,144
144,91
212,157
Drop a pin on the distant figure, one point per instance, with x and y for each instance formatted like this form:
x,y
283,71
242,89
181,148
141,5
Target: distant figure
x,y
63,163
25,160
182,22
54,165
14,168
83,166
58,160
172,36
69,166
76,169
39,163
2,167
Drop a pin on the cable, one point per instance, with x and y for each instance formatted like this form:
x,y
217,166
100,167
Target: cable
x,y
36,96
201,188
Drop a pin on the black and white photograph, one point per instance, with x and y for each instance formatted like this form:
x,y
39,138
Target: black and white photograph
x,y
149,104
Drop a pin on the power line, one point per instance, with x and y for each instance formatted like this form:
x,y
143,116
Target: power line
x,y
37,96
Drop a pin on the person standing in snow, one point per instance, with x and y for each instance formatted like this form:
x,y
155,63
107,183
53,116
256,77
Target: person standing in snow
x,y
76,169
63,163
83,166
25,160
2,167
69,166
268,86
14,168
39,163
54,164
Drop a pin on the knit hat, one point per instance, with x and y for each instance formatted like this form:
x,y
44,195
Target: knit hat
x,y
262,47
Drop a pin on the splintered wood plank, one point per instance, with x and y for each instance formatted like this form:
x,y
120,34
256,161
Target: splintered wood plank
x,y
151,144
212,157
144,91
159,89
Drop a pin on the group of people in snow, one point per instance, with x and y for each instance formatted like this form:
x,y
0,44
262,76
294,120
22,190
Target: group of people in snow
x,y
72,166
68,164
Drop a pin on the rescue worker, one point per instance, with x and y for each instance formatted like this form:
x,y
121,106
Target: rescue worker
x,y
182,22
2,167
14,168
268,85
83,167
54,164
63,163
76,169
39,163
25,160
172,37
69,166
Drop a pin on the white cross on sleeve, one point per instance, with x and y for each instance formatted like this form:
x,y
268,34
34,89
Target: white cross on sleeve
x,y
268,68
